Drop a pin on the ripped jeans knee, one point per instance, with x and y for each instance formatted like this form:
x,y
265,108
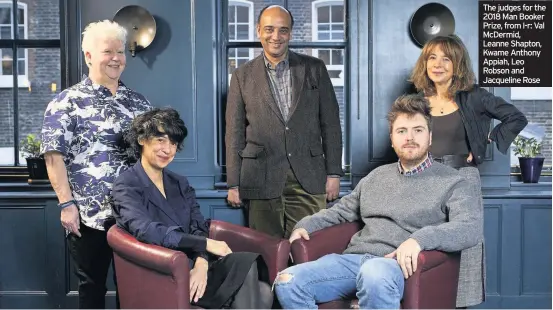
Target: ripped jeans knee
x,y
289,291
284,277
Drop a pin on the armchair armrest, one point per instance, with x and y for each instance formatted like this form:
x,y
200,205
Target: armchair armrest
x,y
150,256
432,259
333,239
275,251
434,284
149,276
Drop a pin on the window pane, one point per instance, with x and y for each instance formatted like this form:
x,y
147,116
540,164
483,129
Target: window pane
x,y
324,36
5,15
45,17
44,82
538,113
7,124
231,13
21,32
323,27
337,13
21,16
21,67
243,52
231,65
232,33
325,56
323,14
7,54
243,32
238,58
7,68
337,57
242,14
339,36
242,61
5,32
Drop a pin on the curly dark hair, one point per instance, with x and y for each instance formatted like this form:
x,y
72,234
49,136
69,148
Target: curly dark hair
x,y
155,123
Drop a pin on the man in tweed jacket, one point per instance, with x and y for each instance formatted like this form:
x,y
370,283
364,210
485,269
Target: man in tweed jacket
x,y
283,134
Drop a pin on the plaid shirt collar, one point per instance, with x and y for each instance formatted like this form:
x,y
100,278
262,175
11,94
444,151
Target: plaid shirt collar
x,y
427,163
282,64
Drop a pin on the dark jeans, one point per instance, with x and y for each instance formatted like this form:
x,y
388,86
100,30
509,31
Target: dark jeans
x,y
278,216
92,257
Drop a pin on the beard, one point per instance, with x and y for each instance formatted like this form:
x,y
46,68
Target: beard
x,y
410,157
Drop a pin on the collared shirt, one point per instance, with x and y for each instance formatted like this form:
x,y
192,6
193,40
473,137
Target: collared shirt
x,y
86,123
281,85
427,163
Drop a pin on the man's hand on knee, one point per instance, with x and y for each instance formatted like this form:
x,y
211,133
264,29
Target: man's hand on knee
x,y
407,255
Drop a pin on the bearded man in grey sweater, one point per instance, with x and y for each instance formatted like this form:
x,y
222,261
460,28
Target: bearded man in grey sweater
x,y
407,207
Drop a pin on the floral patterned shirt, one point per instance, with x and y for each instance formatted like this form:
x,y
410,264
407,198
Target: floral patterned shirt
x,y
86,123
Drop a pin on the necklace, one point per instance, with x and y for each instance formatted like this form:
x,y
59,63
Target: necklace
x,y
442,110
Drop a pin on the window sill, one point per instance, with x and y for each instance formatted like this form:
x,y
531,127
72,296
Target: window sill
x,y
6,81
543,185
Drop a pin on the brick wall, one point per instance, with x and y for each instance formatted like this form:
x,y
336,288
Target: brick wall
x,y
43,70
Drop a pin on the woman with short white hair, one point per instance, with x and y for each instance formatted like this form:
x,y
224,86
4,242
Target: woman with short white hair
x,y
83,147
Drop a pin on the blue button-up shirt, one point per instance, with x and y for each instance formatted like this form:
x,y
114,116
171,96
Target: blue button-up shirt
x,y
86,123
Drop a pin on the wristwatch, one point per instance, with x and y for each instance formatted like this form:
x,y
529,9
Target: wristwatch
x,y
66,204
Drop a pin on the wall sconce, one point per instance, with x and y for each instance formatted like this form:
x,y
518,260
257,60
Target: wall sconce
x,y
140,26
431,20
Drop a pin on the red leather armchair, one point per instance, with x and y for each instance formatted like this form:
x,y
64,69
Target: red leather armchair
x,y
150,276
434,284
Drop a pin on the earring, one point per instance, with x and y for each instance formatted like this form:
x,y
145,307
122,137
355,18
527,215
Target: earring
x,y
89,63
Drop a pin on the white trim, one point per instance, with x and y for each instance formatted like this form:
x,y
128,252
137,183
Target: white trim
x,y
251,23
531,93
6,81
315,35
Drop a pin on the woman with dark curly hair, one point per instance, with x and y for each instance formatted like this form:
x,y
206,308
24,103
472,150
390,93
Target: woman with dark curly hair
x,y
159,207
461,117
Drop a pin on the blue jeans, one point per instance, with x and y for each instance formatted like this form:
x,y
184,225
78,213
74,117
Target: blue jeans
x,y
376,281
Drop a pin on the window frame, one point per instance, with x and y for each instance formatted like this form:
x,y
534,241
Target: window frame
x,y
17,170
315,5
6,81
251,28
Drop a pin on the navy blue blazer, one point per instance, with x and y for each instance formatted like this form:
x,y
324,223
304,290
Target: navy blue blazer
x,y
175,222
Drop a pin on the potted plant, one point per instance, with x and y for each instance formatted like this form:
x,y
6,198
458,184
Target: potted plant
x,y
527,150
30,147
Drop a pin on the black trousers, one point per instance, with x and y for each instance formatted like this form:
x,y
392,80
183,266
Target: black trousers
x,y
92,257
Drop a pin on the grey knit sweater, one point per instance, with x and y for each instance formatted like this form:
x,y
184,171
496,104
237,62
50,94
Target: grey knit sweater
x,y
435,207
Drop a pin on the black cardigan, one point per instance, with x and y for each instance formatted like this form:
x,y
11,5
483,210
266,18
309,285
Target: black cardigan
x,y
478,107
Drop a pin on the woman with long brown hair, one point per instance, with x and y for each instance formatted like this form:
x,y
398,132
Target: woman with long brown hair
x,y
462,113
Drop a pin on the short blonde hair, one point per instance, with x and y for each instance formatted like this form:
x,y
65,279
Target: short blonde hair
x,y
105,29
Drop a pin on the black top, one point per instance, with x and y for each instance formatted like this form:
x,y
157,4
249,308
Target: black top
x,y
478,108
448,135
